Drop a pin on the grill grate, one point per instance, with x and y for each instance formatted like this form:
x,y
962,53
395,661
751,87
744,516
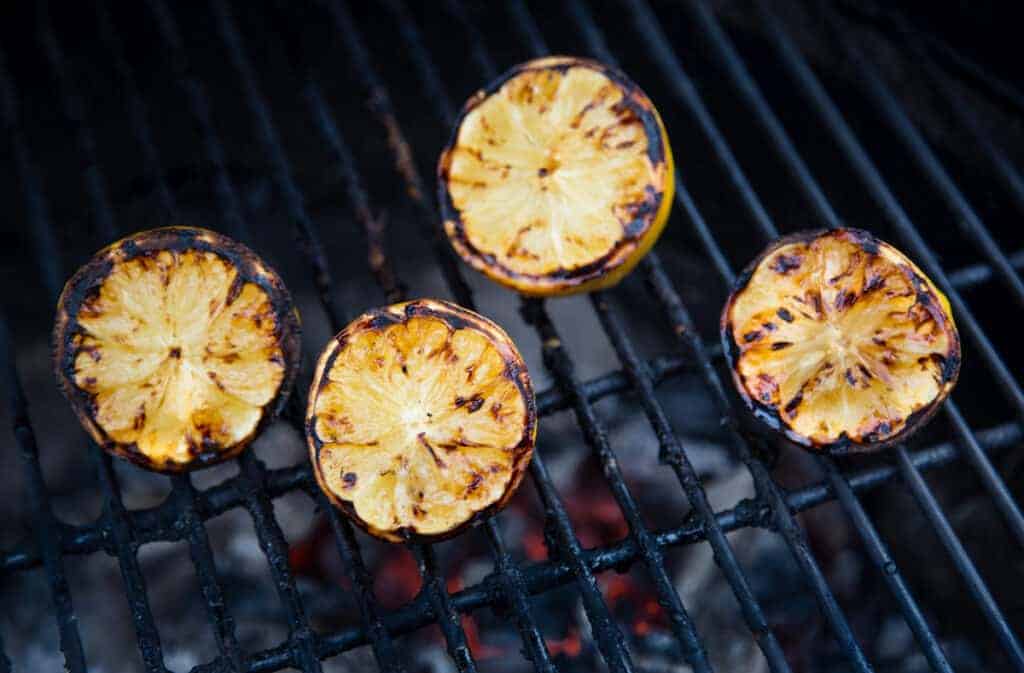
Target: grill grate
x,y
120,531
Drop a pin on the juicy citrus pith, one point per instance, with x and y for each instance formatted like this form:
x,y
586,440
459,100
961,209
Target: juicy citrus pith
x,y
421,419
840,341
558,178
173,345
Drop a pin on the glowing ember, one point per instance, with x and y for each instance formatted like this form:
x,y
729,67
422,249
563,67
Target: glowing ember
x,y
570,646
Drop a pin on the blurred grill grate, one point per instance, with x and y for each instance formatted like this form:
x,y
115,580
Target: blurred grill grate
x,y
120,532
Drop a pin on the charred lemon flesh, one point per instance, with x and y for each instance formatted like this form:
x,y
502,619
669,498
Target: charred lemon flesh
x,y
421,419
174,345
840,341
558,178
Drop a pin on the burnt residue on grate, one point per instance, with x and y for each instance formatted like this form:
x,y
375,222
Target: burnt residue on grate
x,y
311,132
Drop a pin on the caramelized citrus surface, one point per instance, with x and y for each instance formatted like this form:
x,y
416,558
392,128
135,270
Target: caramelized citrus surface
x,y
421,417
173,352
557,177
839,338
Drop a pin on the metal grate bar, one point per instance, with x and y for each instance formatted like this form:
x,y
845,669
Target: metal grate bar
x,y
826,109
544,576
930,506
998,488
441,603
738,73
380,264
114,521
71,101
515,591
454,634
195,94
559,363
513,588
662,54
975,274
880,556
137,109
684,330
809,84
5,663
362,584
382,107
302,641
609,638
383,646
183,491
46,528
784,146
206,571
674,454
567,547
671,449
423,62
971,225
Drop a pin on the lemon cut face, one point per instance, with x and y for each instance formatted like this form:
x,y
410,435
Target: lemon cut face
x,y
421,420
558,178
174,346
839,341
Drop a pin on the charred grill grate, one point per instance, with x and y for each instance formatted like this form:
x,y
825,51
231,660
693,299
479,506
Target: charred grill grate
x,y
120,532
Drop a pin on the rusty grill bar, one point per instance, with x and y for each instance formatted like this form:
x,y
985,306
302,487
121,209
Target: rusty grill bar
x,y
120,532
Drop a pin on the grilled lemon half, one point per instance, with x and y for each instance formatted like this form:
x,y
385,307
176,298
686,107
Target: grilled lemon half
x,y
558,177
839,341
174,346
421,420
